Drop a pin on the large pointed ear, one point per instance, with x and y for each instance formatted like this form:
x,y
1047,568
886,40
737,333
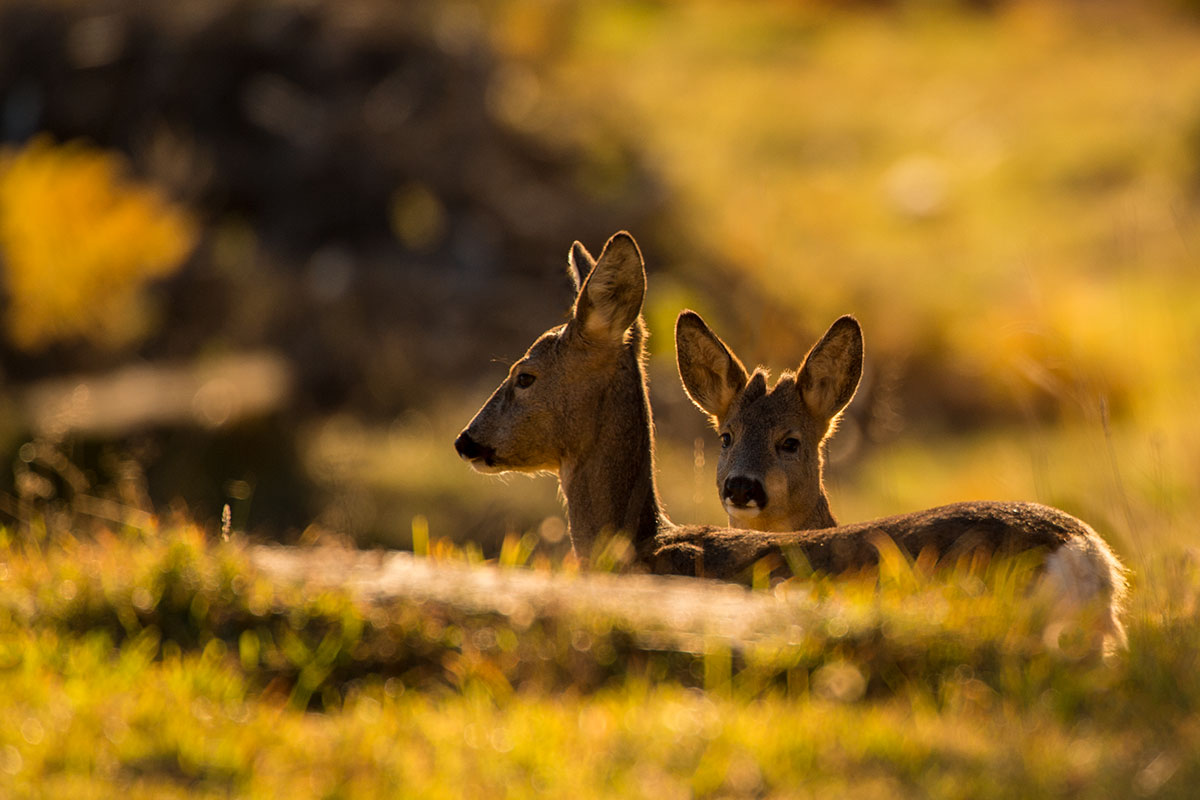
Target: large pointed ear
x,y
831,370
712,375
611,296
579,264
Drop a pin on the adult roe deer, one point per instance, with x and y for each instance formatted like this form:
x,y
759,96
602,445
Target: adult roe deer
x,y
770,470
576,404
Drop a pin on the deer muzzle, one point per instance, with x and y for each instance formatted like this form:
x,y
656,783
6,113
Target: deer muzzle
x,y
743,494
481,456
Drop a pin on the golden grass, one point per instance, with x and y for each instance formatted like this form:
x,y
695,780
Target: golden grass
x,y
156,662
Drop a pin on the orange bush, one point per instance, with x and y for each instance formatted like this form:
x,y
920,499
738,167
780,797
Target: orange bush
x,y
79,241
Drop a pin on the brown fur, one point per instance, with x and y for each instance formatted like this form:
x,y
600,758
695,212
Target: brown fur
x,y
947,531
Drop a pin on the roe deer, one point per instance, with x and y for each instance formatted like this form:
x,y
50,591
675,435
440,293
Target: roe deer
x,y
576,404
770,469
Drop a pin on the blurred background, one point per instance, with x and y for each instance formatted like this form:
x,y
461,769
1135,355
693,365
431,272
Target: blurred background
x,y
273,254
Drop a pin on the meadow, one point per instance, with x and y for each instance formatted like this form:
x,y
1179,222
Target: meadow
x,y
1004,194
168,662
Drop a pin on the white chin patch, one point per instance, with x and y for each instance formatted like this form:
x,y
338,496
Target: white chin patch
x,y
485,468
742,512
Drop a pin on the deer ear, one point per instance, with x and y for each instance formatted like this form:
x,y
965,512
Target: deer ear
x,y
832,369
712,375
579,264
611,296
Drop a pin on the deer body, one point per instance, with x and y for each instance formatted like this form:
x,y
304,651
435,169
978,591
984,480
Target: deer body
x,y
949,531
576,404
770,477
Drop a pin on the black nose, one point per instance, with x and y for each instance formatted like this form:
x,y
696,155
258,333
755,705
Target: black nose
x,y
744,492
470,449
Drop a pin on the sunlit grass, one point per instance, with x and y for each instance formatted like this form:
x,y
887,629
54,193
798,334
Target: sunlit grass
x,y
161,663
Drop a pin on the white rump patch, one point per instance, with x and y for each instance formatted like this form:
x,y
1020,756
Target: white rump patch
x,y
1083,574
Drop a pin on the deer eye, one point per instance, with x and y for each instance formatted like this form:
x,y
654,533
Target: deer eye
x,y
525,380
790,445
726,439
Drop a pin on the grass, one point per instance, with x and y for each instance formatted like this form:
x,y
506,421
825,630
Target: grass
x,y
162,663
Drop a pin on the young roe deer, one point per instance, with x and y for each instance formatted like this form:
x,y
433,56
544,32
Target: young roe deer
x,y
576,404
770,473
771,466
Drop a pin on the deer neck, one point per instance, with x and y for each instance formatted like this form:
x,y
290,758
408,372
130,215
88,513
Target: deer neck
x,y
819,516
608,481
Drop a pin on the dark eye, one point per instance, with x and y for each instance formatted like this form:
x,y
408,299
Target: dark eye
x,y
790,445
525,380
726,440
